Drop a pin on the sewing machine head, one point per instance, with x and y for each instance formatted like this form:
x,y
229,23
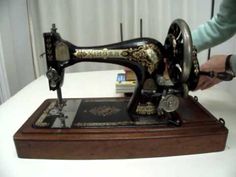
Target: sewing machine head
x,y
102,128
164,72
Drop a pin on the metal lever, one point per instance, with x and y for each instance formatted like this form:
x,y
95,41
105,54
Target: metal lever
x,y
121,32
141,27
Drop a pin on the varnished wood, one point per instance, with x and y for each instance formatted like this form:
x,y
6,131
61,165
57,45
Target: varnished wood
x,y
201,132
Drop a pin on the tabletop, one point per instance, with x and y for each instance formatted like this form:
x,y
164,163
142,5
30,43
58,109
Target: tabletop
x,y
15,111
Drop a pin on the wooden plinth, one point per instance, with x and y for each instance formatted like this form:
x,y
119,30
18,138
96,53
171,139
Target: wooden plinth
x,y
201,132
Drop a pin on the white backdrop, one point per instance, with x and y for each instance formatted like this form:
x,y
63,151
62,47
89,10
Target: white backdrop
x,y
16,53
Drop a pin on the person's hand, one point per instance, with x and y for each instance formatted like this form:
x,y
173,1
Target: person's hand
x,y
215,63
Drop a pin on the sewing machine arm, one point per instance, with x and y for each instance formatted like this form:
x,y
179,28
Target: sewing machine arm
x,y
163,72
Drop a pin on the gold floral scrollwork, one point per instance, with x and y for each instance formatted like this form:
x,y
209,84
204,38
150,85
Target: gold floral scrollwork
x,y
104,111
146,109
147,55
80,53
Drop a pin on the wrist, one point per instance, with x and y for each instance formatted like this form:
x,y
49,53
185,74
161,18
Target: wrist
x,y
233,63
229,65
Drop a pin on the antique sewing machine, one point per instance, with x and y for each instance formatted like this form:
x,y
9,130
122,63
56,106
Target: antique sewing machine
x,y
159,119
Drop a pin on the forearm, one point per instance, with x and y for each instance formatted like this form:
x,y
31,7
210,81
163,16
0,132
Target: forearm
x,y
211,34
218,29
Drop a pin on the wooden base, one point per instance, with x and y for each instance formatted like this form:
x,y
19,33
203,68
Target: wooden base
x,y
201,132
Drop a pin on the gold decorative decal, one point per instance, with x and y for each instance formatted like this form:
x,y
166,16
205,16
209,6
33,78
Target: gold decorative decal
x,y
103,53
103,111
146,109
146,55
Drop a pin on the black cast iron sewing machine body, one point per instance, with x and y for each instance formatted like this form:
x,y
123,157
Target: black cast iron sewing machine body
x,y
164,72
160,119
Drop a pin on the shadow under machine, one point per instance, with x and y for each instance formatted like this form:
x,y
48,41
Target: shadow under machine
x,y
159,119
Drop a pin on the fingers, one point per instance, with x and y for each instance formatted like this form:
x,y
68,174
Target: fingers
x,y
206,85
216,64
211,84
206,82
203,82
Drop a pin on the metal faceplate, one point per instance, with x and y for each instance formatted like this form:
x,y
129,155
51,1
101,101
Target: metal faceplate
x,y
53,117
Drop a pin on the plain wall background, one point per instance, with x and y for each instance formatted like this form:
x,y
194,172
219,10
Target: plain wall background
x,y
16,50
